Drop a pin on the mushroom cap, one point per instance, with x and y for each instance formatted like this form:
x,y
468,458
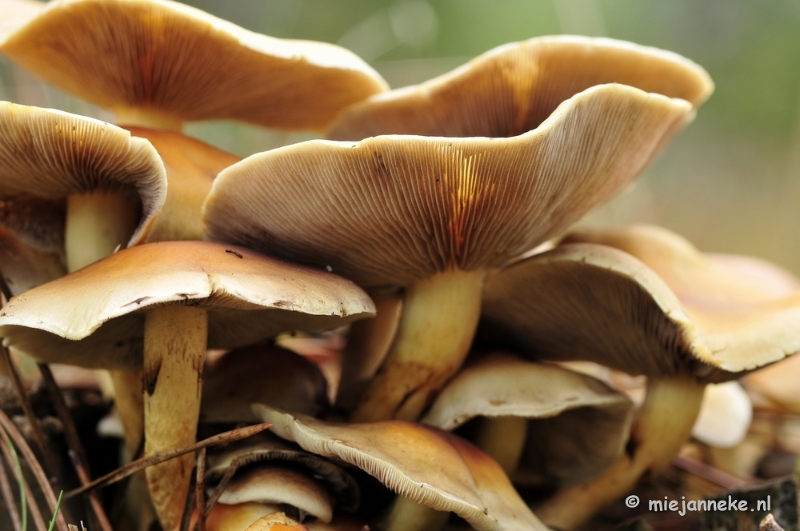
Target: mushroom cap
x,y
428,466
24,267
579,426
586,301
175,60
395,209
513,88
279,485
724,417
249,297
191,167
229,385
266,447
47,155
276,522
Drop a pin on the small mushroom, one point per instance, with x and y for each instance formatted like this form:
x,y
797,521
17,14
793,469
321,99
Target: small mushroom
x,y
565,426
427,467
295,384
724,417
513,88
686,322
130,56
155,306
434,214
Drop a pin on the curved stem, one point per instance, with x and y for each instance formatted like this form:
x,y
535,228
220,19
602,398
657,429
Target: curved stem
x,y
664,424
439,318
174,350
503,438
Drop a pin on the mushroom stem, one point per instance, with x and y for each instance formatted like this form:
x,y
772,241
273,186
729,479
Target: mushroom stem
x,y
149,119
665,422
503,438
128,401
174,350
408,515
436,329
97,222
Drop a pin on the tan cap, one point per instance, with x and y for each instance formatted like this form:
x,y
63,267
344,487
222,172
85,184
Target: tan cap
x,y
428,466
578,426
176,63
48,155
395,209
513,88
95,316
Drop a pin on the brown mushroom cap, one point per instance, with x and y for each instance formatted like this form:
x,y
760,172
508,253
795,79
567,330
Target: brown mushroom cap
x,y
229,387
696,316
47,155
578,428
394,209
191,167
266,447
132,55
513,88
430,467
95,316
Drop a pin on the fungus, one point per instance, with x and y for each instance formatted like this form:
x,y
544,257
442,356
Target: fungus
x,y
688,321
130,56
513,88
157,306
434,214
570,427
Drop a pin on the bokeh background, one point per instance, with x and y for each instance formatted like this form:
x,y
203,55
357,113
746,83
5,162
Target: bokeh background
x,y
729,183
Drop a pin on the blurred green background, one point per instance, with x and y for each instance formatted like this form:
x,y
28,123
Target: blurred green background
x,y
729,183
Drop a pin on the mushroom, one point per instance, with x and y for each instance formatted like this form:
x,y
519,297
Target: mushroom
x,y
279,472
725,415
688,321
513,88
570,427
434,214
276,522
229,388
155,306
429,468
108,184
146,76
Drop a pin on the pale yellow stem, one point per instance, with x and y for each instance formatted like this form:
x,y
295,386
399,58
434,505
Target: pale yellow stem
x,y
174,350
130,406
407,515
148,118
439,318
97,223
503,438
664,424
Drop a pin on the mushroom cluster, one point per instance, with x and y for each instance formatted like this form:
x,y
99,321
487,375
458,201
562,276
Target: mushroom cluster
x,y
424,249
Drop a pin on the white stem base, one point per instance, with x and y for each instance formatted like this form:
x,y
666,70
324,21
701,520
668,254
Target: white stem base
x,y
174,351
439,318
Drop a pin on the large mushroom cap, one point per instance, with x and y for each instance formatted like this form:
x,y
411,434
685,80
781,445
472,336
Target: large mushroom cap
x,y
249,297
700,315
513,88
430,467
578,426
395,209
47,155
178,62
